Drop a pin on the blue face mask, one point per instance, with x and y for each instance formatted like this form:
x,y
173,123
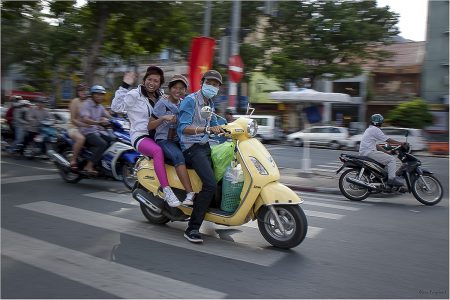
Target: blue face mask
x,y
209,91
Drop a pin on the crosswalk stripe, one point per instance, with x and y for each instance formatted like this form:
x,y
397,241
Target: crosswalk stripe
x,y
19,179
331,205
125,199
312,230
120,198
328,166
319,214
111,277
160,234
322,170
330,198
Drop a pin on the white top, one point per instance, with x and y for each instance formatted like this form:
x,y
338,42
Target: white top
x,y
138,110
369,140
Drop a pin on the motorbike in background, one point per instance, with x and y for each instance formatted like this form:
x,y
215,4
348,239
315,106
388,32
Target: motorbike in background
x,y
117,161
365,176
43,141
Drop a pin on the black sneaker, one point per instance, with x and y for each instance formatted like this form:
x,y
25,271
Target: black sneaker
x,y
394,182
193,236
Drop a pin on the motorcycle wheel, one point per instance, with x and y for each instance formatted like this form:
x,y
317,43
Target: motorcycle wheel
x,y
28,152
128,176
294,221
352,191
66,173
426,196
153,217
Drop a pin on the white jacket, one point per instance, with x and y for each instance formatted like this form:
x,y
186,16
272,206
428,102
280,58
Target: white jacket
x,y
138,109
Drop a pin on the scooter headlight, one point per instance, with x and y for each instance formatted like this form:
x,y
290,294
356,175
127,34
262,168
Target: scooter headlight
x,y
252,128
258,166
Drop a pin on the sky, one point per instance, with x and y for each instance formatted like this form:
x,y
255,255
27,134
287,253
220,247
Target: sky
x,y
412,20
413,17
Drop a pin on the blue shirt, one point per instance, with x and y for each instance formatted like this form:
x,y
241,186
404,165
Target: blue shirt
x,y
164,107
190,109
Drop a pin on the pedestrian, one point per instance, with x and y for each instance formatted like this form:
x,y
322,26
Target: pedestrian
x,y
93,114
75,123
164,120
138,103
193,131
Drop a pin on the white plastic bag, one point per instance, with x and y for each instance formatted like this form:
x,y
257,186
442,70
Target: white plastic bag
x,y
234,173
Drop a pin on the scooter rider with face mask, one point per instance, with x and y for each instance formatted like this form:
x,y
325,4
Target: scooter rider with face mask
x,y
193,131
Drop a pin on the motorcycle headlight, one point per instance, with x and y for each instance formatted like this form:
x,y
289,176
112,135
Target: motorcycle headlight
x,y
258,166
252,128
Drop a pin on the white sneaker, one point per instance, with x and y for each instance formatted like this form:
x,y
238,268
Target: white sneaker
x,y
170,197
189,197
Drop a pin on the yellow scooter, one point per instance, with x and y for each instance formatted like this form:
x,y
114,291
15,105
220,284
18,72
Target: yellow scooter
x,y
281,220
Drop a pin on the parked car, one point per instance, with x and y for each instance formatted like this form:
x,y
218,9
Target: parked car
x,y
269,127
415,138
331,136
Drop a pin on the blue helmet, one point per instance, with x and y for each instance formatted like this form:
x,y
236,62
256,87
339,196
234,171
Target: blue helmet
x,y
98,89
376,120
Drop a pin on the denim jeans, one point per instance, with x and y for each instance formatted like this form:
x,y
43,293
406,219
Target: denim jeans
x,y
199,157
97,144
172,151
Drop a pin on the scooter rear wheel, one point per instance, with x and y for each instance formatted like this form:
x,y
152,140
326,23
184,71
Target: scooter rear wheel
x,y
153,217
66,173
294,222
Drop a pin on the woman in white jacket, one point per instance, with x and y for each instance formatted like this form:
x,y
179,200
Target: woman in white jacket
x,y
138,104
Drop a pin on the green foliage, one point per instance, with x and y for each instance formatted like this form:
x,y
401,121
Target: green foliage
x,y
412,114
312,38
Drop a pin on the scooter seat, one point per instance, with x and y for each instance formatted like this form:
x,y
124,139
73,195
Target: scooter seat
x,y
366,158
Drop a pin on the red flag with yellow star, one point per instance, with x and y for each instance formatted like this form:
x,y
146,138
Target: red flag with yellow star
x,y
200,60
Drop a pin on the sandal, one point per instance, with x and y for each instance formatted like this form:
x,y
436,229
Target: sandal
x,y
74,166
90,173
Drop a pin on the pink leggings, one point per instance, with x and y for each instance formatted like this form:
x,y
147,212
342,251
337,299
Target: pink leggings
x,y
148,147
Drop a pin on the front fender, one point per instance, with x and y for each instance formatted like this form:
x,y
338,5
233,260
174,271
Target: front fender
x,y
276,193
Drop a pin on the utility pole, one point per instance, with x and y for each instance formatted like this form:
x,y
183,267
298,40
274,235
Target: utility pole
x,y
235,26
207,19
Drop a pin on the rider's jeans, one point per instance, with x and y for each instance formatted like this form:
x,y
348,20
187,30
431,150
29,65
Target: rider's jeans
x,y
385,159
97,143
199,157
20,133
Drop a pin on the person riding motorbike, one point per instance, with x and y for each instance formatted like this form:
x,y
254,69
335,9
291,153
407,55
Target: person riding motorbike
x,y
164,121
193,131
75,124
139,104
9,116
36,115
21,123
94,114
369,147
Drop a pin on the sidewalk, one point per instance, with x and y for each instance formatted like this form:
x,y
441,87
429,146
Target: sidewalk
x,y
318,183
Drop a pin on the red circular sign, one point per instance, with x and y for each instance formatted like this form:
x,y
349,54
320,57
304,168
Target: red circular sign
x,y
235,68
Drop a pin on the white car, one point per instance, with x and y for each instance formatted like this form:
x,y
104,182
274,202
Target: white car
x,y
331,136
415,138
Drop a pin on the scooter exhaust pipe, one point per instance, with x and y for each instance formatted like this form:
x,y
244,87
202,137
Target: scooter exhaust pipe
x,y
58,158
360,183
143,197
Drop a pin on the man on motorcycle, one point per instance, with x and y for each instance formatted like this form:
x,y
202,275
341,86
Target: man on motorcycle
x,y
20,121
94,114
193,129
36,115
371,149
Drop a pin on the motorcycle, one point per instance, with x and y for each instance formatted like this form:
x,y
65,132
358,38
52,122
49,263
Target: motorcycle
x,y
43,141
366,176
276,208
117,161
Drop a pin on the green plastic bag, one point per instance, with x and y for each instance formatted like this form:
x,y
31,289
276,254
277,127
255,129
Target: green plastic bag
x,y
221,156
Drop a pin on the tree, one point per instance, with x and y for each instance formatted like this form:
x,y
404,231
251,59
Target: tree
x,y
412,114
313,38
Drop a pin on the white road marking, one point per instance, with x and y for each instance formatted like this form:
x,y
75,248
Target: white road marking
x,y
28,178
331,205
319,214
116,197
312,231
330,198
160,234
114,278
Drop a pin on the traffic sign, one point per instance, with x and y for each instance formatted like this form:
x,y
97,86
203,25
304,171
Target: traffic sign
x,y
235,68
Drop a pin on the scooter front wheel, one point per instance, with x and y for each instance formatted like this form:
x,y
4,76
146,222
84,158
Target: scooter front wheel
x,y
293,229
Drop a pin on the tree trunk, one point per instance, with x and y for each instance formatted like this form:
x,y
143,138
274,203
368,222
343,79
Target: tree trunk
x,y
92,59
